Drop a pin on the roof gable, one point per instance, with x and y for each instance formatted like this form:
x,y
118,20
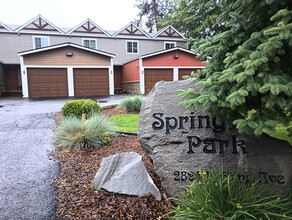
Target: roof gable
x,y
131,30
167,51
3,26
168,32
66,45
173,57
88,26
39,23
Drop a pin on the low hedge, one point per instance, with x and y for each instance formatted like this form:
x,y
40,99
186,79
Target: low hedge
x,y
79,107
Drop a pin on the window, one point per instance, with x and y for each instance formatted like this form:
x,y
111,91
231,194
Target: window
x,y
169,45
132,46
90,43
40,41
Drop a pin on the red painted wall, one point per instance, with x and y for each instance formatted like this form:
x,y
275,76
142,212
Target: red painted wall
x,y
173,58
131,72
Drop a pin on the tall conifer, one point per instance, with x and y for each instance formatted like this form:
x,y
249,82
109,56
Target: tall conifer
x,y
248,77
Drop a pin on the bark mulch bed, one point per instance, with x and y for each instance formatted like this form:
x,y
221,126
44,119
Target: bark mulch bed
x,y
76,198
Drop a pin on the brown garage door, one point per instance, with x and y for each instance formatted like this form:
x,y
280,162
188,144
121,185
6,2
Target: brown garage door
x,y
91,82
47,82
152,76
185,72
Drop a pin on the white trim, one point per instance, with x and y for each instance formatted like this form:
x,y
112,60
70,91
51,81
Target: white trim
x,y
171,67
89,39
111,79
170,38
40,36
142,77
132,41
167,51
169,42
70,79
175,73
62,67
131,23
6,27
24,80
163,29
39,17
88,20
64,45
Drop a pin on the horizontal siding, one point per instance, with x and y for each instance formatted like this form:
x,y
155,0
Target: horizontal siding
x,y
131,72
173,58
58,57
12,43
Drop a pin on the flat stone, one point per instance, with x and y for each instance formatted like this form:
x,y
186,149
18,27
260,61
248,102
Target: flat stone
x,y
125,173
182,142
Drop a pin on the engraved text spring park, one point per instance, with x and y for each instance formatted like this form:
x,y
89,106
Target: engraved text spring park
x,y
209,145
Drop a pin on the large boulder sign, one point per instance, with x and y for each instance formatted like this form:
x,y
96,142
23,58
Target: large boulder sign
x,y
183,143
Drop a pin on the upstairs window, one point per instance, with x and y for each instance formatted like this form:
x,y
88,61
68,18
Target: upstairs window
x,y
40,41
132,47
90,43
169,45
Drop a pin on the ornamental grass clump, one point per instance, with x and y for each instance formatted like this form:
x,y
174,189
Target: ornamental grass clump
x,y
219,196
131,104
73,132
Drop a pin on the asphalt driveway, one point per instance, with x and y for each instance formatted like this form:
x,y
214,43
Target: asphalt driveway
x,y
27,170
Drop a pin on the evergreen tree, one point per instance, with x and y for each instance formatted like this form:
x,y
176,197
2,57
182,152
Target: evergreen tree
x,y
153,11
249,76
198,19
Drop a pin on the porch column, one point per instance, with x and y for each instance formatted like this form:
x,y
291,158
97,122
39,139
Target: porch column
x,y
111,78
142,77
70,78
24,80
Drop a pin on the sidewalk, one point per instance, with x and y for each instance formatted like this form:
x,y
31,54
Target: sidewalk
x,y
22,106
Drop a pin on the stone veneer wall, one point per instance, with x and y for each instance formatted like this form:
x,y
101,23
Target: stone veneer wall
x,y
132,87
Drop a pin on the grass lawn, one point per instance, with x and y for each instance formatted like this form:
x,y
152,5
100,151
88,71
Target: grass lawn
x,y
125,122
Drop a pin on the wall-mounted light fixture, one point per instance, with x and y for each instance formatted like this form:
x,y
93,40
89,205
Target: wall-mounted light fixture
x,y
69,54
176,56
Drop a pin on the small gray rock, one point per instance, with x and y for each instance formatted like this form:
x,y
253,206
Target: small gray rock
x,y
125,173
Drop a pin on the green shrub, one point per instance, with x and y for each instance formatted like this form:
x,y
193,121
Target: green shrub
x,y
78,107
131,104
218,196
75,133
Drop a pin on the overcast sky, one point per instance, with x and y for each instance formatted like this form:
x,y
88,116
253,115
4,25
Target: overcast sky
x,y
108,14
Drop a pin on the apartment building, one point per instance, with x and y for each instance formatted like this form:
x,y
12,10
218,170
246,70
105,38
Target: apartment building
x,y
38,59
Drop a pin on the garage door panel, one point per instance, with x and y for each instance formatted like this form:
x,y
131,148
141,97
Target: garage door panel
x,y
185,72
50,82
152,76
91,82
